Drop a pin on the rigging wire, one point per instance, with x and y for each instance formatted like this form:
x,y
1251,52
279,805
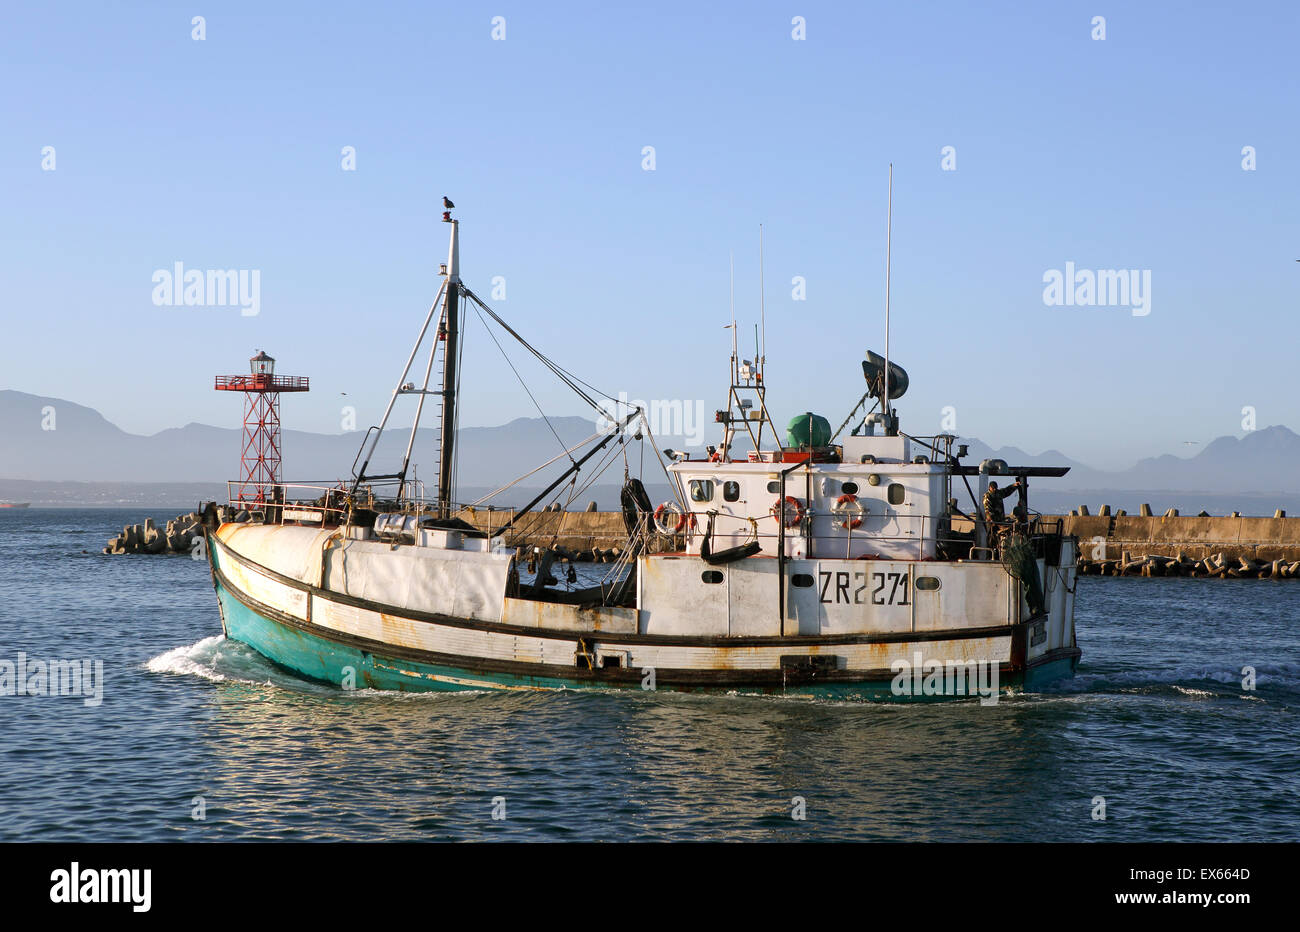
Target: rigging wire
x,y
574,383
602,464
522,383
577,446
579,386
563,374
654,445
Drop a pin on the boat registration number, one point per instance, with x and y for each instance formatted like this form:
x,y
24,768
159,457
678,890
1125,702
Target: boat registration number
x,y
843,587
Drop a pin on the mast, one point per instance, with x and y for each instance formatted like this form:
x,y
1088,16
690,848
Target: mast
x,y
760,349
447,438
734,374
889,227
761,355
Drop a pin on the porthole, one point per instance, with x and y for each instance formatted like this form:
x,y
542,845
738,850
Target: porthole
x,y
927,583
849,488
730,491
774,486
896,493
802,580
712,577
701,490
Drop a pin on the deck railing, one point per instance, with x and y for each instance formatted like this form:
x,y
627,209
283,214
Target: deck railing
x,y
333,504
915,537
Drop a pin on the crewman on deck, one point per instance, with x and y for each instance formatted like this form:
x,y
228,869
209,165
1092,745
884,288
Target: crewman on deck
x,y
995,514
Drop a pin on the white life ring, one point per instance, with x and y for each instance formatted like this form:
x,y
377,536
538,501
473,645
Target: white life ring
x,y
669,518
848,511
788,510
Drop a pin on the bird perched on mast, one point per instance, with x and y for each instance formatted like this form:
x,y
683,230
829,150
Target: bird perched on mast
x,y
446,214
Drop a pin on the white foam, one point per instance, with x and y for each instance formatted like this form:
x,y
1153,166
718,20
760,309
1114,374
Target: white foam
x,y
192,660
1274,675
220,660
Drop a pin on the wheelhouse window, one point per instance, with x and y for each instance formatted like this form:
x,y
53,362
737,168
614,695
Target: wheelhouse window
x,y
731,491
896,493
701,490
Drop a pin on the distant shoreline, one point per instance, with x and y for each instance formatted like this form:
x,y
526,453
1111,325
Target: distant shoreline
x,y
1043,497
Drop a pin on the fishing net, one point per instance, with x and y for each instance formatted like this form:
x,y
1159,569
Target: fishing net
x,y
1018,558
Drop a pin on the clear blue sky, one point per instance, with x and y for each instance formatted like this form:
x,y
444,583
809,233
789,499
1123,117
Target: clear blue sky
x,y
225,154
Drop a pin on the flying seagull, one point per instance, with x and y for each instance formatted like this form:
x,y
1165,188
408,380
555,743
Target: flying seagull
x,y
446,203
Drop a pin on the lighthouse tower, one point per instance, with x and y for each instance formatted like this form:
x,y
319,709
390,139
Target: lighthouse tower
x,y
260,459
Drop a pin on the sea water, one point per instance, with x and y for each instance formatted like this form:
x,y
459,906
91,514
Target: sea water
x,y
1181,724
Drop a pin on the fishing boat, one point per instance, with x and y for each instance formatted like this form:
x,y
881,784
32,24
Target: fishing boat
x,y
817,563
15,504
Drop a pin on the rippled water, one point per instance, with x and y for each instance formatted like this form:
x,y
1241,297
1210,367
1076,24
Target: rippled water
x,y
1156,722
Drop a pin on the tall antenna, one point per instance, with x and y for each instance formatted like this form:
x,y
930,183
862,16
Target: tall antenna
x,y
762,310
889,229
733,306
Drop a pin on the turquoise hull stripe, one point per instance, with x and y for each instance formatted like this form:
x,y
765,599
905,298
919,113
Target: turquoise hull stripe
x,y
324,660
1048,673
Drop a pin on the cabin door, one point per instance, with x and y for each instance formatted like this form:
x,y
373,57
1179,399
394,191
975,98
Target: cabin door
x,y
754,600
803,608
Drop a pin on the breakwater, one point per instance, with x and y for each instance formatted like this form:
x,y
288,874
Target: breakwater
x,y
179,535
580,536
572,533
1186,545
1110,544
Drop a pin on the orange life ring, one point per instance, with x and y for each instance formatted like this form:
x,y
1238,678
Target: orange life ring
x,y
849,510
666,509
789,509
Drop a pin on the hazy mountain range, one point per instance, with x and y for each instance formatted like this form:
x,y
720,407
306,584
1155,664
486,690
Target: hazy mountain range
x,y
87,459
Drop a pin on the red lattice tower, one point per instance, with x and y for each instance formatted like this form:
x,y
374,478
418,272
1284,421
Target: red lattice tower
x,y
260,460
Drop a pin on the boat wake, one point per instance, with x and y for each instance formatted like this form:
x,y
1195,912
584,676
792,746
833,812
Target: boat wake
x,y
221,660
1195,682
216,659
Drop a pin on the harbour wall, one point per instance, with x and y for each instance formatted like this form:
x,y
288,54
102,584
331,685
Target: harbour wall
x,y
1107,536
574,532
1197,537
1116,539
1176,545
1112,545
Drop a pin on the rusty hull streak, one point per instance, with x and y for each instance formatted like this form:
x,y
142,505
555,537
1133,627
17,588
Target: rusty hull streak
x,y
880,656
405,626
552,616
